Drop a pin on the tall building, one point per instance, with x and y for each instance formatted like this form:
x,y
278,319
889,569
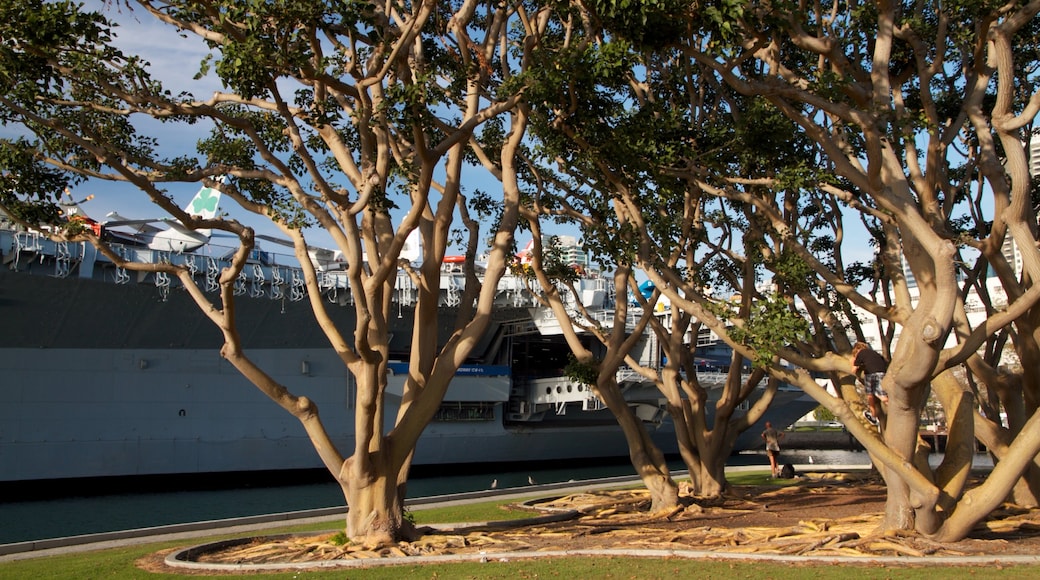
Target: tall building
x,y
573,253
1011,250
911,281
1012,254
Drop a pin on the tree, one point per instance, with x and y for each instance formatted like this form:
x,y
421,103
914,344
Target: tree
x,y
886,94
617,339
610,119
353,119
823,414
911,121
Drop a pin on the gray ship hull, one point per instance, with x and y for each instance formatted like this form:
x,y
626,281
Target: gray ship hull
x,y
103,379
80,413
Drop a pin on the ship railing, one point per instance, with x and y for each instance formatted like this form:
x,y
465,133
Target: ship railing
x,y
27,243
605,318
627,374
268,274
708,379
712,379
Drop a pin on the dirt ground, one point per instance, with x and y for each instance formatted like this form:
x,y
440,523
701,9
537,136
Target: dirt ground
x,y
819,514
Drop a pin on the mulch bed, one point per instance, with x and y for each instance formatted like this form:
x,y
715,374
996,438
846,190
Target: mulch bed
x,y
827,514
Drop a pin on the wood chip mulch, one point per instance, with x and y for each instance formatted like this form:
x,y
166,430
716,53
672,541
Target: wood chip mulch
x,y
819,515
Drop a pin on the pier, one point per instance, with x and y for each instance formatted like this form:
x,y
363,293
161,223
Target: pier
x,y
842,439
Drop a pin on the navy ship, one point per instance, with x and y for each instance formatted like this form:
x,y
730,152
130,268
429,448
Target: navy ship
x,y
114,373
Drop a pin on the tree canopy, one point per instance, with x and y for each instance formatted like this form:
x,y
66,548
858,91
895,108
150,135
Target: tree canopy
x,y
737,160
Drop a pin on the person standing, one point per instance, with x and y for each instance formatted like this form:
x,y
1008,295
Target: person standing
x,y
772,438
874,367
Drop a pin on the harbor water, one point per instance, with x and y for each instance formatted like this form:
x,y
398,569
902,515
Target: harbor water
x,y
69,516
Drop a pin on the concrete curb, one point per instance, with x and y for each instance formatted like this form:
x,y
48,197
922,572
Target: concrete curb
x,y
681,554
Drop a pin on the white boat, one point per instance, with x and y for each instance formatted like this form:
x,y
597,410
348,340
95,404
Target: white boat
x,y
111,373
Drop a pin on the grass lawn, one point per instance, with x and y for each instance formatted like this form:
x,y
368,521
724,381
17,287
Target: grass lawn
x,y
119,564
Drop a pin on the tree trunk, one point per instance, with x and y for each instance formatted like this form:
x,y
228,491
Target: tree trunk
x,y
707,469
982,500
1027,490
1026,400
707,472
650,464
952,474
901,435
647,459
375,515
707,479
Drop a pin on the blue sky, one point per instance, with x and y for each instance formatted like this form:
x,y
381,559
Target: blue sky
x,y
174,59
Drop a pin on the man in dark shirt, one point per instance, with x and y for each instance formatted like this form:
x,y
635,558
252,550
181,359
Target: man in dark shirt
x,y
874,367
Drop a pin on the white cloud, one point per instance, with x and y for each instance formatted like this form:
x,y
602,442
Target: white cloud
x,y
174,57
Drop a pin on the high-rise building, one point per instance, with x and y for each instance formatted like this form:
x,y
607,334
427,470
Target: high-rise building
x,y
1010,249
911,281
571,250
572,253
1012,254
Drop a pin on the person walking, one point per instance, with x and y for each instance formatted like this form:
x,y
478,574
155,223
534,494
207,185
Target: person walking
x,y
772,438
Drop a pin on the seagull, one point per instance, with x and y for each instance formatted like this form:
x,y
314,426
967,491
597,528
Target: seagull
x,y
530,480
494,484
811,459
